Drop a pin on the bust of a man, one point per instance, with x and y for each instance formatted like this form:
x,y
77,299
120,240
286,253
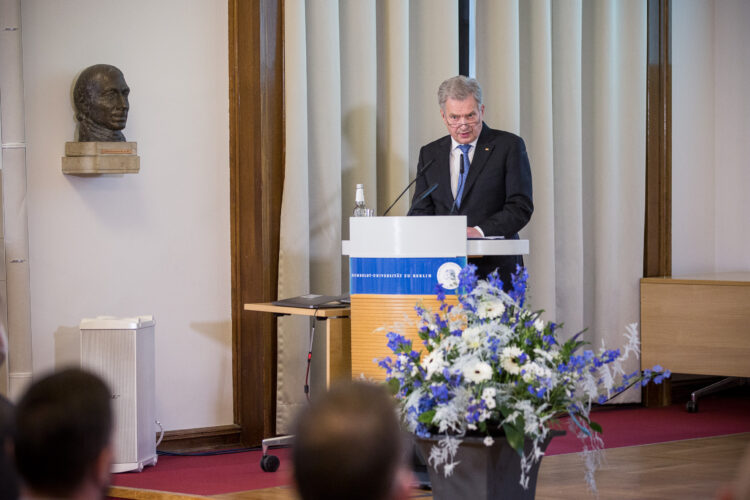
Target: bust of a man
x,y
100,96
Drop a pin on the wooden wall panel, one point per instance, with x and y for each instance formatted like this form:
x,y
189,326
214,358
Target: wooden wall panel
x,y
697,326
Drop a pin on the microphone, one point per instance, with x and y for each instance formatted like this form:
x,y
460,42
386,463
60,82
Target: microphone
x,y
460,184
422,196
420,173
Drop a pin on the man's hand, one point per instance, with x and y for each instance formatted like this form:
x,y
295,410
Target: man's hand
x,y
473,233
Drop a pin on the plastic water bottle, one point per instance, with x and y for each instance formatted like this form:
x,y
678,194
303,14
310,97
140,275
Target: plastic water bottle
x,y
360,209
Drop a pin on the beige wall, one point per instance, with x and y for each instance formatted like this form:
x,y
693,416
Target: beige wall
x,y
152,243
710,136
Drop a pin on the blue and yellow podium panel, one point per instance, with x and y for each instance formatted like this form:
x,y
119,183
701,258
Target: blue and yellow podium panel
x,y
404,276
396,262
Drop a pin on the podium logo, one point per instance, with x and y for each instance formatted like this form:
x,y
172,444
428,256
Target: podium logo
x,y
447,275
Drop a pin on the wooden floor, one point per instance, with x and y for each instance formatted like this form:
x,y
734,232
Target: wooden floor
x,y
690,469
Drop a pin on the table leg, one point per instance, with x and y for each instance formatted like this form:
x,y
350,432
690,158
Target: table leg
x,y
339,359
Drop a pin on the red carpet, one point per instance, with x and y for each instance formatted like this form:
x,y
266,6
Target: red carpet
x,y
209,475
218,474
634,426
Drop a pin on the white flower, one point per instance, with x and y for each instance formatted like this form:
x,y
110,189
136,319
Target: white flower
x,y
434,362
488,441
510,366
539,324
512,352
478,371
473,337
488,395
490,307
532,370
507,360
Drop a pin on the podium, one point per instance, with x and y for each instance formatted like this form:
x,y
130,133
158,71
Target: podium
x,y
396,262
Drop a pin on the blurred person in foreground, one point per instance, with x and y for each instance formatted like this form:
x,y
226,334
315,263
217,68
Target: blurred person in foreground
x,y
63,444
349,444
8,474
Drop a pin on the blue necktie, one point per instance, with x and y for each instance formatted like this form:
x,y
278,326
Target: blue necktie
x,y
462,175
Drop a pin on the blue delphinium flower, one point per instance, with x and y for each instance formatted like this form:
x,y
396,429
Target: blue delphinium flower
x,y
440,392
518,280
489,362
467,279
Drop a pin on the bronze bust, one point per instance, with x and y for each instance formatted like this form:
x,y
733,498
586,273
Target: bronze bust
x,y
100,96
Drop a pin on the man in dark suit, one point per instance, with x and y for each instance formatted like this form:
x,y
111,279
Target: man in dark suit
x,y
481,173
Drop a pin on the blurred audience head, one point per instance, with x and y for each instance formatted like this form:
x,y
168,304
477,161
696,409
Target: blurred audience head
x,y
63,445
8,474
348,444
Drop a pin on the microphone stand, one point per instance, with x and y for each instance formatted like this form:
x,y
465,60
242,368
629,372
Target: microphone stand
x,y
422,196
419,174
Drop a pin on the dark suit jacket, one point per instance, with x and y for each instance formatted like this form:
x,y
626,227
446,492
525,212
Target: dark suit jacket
x,y
497,194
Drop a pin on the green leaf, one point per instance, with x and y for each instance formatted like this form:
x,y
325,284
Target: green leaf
x,y
393,386
515,437
426,417
505,411
596,427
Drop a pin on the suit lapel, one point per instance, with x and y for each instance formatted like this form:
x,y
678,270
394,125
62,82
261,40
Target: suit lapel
x,y
444,171
481,155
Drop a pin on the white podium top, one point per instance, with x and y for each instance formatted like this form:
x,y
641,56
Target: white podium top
x,y
421,236
497,247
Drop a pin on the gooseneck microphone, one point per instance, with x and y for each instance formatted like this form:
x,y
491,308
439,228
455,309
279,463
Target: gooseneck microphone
x,y
422,196
460,185
419,174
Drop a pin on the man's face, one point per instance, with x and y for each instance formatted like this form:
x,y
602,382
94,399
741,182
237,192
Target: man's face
x,y
108,104
463,119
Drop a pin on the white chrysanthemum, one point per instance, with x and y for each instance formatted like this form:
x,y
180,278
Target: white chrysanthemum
x,y
532,370
508,360
490,307
510,366
479,371
433,362
512,352
473,337
539,324
488,441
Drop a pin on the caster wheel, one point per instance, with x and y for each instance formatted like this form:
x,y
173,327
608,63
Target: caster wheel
x,y
692,406
269,463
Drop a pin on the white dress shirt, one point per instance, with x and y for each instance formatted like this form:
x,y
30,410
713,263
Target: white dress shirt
x,y
455,162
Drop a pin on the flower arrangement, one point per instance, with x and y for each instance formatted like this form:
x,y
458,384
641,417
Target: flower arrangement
x,y
492,367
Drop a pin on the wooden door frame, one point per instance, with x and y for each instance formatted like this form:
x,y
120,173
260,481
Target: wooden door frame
x,y
657,242
256,130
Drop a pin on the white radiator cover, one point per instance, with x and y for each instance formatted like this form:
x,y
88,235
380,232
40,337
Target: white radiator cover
x,y
121,351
